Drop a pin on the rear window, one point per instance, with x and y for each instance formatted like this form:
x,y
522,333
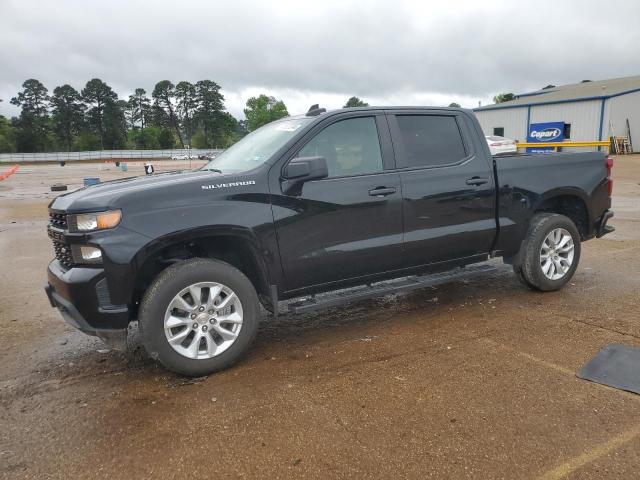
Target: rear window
x,y
431,140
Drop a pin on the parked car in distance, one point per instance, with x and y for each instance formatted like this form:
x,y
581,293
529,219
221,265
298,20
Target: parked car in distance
x,y
184,157
349,204
499,145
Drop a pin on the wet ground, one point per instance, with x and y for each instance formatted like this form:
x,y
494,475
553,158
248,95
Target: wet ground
x,y
469,380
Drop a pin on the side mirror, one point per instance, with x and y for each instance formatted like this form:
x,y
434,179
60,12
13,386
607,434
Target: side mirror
x,y
303,169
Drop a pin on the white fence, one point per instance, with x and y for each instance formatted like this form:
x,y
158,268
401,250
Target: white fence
x,y
103,155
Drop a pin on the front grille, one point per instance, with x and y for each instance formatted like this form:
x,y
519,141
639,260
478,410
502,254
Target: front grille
x,y
63,253
58,220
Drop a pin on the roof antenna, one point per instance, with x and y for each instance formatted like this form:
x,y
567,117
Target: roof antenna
x,y
315,110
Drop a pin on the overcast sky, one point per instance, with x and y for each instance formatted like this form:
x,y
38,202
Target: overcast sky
x,y
385,52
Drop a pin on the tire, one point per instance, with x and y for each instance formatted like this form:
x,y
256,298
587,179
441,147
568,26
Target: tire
x,y
520,276
547,264
199,353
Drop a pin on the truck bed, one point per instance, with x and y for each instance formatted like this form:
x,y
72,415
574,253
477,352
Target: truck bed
x,y
525,181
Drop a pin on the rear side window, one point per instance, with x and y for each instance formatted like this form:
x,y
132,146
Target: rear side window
x,y
430,140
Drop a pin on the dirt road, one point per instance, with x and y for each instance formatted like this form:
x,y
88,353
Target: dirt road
x,y
469,380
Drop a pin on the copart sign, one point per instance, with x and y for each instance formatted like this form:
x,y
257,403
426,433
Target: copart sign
x,y
544,132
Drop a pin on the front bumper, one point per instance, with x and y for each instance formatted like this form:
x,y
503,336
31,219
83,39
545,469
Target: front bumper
x,y
79,294
603,228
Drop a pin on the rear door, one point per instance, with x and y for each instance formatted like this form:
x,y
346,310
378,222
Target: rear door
x,y
348,225
447,187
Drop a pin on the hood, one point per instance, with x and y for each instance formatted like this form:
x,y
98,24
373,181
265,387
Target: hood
x,y
112,193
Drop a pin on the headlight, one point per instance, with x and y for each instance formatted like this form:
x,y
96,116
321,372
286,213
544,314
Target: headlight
x,y
87,222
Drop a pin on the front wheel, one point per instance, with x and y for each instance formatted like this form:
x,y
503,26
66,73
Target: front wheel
x,y
199,316
551,252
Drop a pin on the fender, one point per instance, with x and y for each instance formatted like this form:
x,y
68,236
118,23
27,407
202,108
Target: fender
x,y
516,213
234,233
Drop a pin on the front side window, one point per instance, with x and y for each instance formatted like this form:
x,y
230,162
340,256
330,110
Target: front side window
x,y
351,147
430,140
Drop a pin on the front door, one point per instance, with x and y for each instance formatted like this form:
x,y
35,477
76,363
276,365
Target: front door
x,y
348,225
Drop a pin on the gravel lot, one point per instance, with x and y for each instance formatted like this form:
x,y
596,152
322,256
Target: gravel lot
x,y
469,380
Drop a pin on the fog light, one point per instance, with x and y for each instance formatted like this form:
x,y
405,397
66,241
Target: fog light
x,y
90,254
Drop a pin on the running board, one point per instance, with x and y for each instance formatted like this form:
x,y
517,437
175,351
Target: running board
x,y
406,284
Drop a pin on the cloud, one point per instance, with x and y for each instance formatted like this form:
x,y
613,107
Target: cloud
x,y
385,52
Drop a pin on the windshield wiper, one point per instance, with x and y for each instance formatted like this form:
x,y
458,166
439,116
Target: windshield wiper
x,y
217,170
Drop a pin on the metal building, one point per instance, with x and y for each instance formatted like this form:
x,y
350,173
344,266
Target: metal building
x,y
586,111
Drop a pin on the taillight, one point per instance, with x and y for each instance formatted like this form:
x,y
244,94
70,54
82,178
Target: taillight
x,y
496,144
609,164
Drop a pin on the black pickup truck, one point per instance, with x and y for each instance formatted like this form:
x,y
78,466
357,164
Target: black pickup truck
x,y
317,209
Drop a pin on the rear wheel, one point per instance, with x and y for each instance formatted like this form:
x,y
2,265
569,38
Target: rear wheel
x,y
551,252
517,269
199,316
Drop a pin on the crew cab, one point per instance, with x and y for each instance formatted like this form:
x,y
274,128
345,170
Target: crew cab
x,y
360,202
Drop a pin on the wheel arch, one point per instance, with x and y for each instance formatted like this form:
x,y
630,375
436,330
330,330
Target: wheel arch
x,y
236,246
570,202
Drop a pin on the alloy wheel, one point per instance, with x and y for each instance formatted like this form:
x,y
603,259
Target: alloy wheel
x,y
556,254
203,320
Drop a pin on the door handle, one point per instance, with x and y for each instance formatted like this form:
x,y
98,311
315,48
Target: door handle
x,y
382,191
476,181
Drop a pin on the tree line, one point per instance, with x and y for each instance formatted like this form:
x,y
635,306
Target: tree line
x,y
172,116
94,118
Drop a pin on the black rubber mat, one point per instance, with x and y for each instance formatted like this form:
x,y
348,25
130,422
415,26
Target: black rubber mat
x,y
616,366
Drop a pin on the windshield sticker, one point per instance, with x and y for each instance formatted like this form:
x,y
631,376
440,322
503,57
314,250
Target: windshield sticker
x,y
288,127
228,185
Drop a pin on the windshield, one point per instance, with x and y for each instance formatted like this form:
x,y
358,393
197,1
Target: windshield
x,y
257,147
